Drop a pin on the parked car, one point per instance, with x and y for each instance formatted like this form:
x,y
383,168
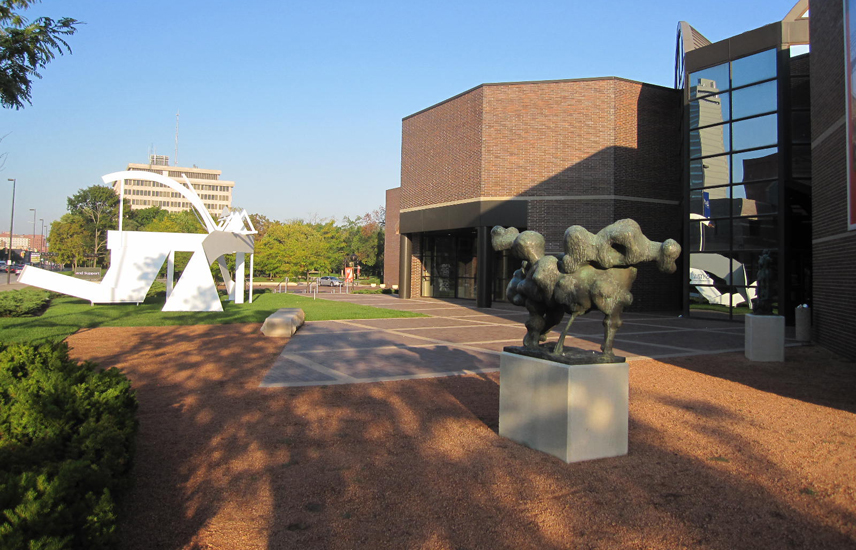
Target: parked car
x,y
330,281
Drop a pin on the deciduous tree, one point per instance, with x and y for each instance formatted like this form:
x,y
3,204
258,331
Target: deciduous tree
x,y
26,47
69,239
98,205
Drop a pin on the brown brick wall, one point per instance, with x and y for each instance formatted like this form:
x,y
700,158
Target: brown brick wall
x,y
648,142
441,152
548,138
416,268
392,240
554,139
834,257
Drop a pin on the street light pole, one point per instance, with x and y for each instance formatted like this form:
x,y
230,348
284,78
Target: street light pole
x,y
11,230
33,240
42,235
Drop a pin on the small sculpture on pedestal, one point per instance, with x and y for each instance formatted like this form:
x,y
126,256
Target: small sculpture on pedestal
x,y
766,296
596,271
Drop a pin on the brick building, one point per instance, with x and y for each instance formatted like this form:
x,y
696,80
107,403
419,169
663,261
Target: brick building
x,y
748,153
533,155
834,186
23,242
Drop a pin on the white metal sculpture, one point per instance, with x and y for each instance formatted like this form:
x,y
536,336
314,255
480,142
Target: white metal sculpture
x,y
136,257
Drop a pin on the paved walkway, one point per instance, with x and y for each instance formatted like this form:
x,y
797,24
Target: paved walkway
x,y
459,338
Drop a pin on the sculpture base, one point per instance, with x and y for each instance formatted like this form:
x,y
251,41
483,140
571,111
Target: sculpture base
x,y
573,412
765,338
570,356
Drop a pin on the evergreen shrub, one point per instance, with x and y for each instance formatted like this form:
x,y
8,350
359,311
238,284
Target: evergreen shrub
x,y
67,434
27,301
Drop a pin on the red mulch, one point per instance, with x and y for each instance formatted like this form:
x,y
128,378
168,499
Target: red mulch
x,y
724,453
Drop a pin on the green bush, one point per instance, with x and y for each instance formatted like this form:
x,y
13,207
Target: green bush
x,y
368,291
27,301
66,443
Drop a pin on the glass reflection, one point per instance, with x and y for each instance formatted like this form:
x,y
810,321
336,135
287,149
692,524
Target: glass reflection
x,y
757,198
709,172
718,75
713,278
712,109
754,68
755,165
757,233
710,141
709,235
754,100
755,132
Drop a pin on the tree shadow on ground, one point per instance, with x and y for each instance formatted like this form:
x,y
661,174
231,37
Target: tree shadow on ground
x,y
223,463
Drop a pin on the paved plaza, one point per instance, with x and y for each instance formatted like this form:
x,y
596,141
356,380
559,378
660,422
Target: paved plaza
x,y
459,338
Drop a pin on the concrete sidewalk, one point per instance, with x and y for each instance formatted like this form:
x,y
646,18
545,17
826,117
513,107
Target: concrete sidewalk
x,y
458,338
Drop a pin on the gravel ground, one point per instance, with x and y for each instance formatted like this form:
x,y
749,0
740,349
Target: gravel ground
x,y
724,453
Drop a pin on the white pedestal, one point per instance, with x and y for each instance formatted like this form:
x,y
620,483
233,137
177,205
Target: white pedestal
x,y
765,338
573,412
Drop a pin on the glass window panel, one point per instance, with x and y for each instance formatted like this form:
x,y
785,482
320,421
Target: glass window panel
x,y
800,93
754,68
709,235
701,82
754,100
755,233
755,132
746,267
741,298
755,165
711,269
801,161
800,127
709,141
712,109
709,172
756,198
466,288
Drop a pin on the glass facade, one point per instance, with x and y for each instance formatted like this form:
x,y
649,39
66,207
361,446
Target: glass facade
x,y
733,179
449,264
749,180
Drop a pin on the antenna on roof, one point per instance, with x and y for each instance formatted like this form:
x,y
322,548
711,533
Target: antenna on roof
x,y
176,139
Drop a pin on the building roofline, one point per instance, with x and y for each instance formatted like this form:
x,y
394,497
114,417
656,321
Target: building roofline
x,y
526,82
174,168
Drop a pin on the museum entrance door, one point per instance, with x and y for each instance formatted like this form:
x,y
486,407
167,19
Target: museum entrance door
x,y
449,264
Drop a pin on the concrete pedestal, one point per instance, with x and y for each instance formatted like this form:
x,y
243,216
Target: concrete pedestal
x,y
765,338
573,412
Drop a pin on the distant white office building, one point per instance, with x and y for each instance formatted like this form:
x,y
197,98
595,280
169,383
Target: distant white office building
x,y
214,192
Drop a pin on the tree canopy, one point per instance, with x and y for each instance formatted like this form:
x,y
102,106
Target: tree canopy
x,y
282,249
98,206
26,47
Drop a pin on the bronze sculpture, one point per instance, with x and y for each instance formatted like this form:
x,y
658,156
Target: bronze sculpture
x,y
766,295
596,271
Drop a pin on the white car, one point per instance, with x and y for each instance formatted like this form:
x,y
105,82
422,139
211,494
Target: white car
x,y
330,281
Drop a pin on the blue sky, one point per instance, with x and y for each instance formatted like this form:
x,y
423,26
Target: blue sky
x,y
299,102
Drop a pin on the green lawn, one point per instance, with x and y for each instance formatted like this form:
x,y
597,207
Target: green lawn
x,y
66,315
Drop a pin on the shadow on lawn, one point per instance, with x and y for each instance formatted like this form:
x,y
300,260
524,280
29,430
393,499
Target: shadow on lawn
x,y
415,464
